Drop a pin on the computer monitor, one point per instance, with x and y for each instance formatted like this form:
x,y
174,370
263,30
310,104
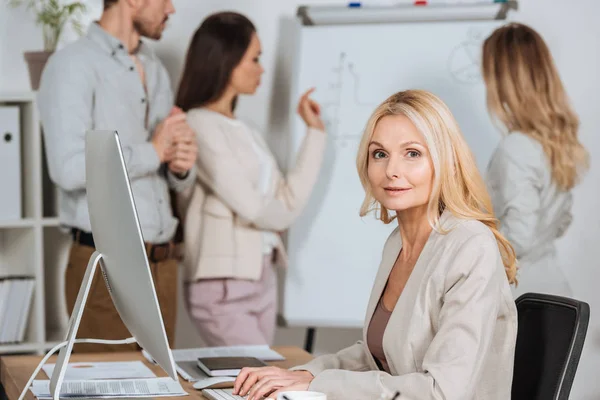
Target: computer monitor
x,y
121,253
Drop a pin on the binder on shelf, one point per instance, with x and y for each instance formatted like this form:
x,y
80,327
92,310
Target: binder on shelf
x,y
10,163
16,294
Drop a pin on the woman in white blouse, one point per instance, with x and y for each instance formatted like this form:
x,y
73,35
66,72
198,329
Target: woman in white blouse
x,y
538,161
241,200
441,322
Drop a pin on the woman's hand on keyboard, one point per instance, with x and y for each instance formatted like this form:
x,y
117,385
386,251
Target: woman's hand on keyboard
x,y
257,383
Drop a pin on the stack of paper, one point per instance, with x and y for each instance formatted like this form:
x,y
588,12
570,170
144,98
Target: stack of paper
x,y
83,371
107,388
15,301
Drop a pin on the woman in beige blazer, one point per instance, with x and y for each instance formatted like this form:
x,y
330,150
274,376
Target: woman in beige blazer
x,y
241,200
538,161
441,322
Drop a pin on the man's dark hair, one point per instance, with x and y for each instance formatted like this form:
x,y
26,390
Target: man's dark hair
x,y
108,3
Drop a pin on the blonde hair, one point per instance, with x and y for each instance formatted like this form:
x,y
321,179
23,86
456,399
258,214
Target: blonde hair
x,y
525,93
457,184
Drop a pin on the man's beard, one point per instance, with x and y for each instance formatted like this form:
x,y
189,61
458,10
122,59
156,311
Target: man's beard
x,y
145,29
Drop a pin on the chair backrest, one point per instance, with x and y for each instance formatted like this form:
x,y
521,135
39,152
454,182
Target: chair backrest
x,y
550,338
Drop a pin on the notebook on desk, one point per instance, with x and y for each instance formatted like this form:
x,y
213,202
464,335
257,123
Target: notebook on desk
x,y
186,359
227,366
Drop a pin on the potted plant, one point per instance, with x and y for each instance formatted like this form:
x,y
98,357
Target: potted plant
x,y
52,15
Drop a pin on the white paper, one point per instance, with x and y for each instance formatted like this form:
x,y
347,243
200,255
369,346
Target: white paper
x,y
189,371
262,352
83,371
111,388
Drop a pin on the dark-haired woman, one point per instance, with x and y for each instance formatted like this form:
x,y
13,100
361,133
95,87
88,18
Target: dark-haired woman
x,y
241,199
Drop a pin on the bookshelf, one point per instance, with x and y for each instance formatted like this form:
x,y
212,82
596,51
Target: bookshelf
x,y
33,244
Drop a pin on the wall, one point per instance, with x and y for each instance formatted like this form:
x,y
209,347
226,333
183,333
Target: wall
x,y
569,28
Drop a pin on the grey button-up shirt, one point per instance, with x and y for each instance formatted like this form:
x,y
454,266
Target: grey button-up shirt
x,y
93,84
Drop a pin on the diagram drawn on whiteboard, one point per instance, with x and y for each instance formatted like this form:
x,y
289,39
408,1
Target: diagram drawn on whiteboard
x,y
344,90
464,62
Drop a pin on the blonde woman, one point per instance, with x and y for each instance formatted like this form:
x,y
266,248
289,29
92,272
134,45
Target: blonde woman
x,y
539,161
441,322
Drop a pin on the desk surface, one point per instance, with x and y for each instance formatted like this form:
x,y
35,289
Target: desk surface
x,y
16,370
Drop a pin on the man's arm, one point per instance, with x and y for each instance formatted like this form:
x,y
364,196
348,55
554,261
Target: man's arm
x,y
179,182
65,102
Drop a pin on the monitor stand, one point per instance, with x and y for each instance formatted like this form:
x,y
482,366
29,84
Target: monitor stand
x,y
62,362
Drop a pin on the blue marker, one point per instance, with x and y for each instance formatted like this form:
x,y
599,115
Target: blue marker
x,y
354,5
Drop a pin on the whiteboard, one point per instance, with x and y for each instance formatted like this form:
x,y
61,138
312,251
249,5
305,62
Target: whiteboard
x,y
333,253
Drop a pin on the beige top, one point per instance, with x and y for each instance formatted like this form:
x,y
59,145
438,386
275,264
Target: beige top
x,y
251,138
379,322
452,333
231,206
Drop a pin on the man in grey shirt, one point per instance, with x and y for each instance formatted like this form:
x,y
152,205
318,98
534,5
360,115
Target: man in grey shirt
x,y
111,79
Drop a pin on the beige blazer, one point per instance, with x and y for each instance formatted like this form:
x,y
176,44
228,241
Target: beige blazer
x,y
227,211
451,335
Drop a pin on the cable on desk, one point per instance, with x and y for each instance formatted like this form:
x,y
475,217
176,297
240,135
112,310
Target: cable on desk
x,y
63,344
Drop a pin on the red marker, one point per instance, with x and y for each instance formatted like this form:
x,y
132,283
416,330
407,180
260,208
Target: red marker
x,y
420,2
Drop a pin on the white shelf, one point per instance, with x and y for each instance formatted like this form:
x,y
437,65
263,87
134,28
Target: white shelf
x,y
19,223
22,240
16,348
30,222
48,345
17,97
29,347
34,245
51,222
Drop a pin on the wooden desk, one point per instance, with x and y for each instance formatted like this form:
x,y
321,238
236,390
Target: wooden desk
x,y
16,370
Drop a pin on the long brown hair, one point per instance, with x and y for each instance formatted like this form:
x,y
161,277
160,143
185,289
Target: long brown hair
x,y
525,93
217,47
458,186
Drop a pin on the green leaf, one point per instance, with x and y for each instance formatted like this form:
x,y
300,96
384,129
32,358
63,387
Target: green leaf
x,y
52,15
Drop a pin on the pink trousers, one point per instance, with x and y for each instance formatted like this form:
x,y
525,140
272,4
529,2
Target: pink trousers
x,y
229,312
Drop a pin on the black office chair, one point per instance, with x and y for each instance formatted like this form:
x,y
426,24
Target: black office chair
x,y
550,338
